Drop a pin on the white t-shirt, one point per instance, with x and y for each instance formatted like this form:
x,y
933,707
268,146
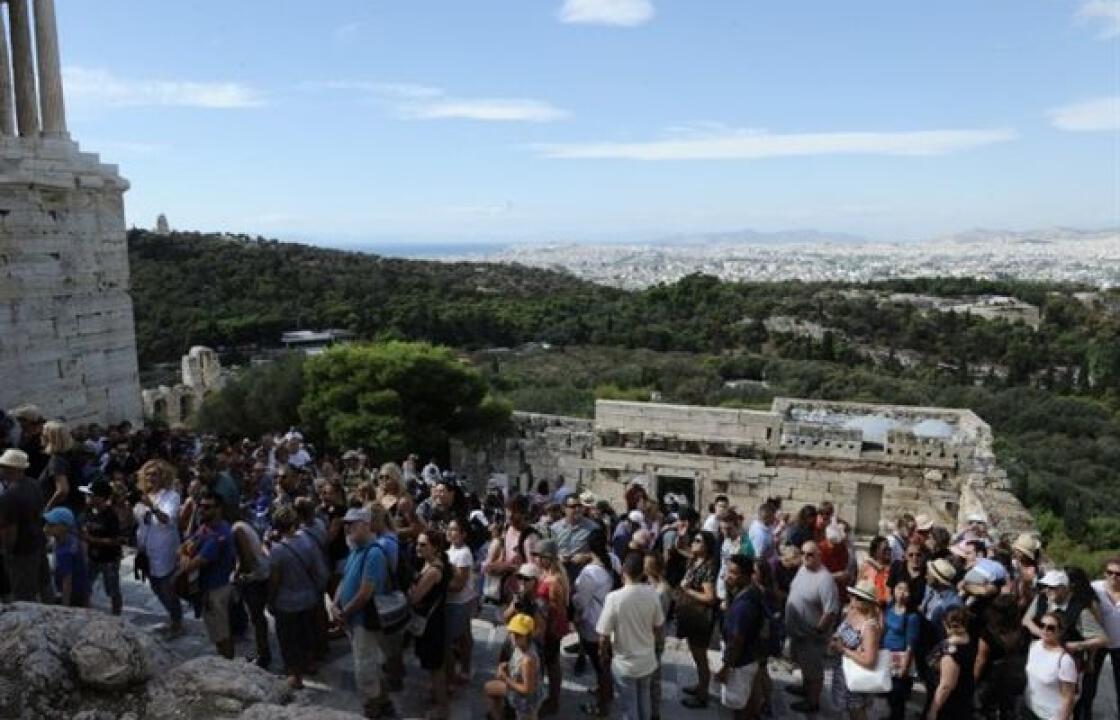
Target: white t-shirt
x,y
593,585
161,540
1045,668
1110,610
461,558
711,524
630,616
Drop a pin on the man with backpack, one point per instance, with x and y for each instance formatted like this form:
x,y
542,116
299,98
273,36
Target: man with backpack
x,y
365,575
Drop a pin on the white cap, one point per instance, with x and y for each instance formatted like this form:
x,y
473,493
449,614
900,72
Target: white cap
x,y
636,516
529,570
977,518
1054,578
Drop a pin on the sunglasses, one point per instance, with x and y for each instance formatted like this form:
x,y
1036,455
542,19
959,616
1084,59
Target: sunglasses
x,y
1112,573
1050,627
571,507
522,578
810,554
913,555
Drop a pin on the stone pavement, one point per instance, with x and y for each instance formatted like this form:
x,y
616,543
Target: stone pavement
x,y
333,685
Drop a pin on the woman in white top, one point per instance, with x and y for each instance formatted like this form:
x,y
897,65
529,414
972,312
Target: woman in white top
x,y
157,514
461,602
1108,593
1051,673
593,583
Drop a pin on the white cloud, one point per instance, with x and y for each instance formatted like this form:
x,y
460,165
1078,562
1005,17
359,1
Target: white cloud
x,y
422,102
757,144
622,13
1107,12
103,88
1096,114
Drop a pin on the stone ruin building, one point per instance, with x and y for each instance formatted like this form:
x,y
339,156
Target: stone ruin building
x,y
201,374
873,462
67,342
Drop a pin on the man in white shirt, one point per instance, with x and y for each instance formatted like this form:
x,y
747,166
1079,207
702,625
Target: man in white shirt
x,y
761,532
630,627
719,509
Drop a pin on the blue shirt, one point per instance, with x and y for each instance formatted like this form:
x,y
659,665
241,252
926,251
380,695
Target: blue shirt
x,y
901,631
936,604
744,619
215,546
363,564
392,547
69,560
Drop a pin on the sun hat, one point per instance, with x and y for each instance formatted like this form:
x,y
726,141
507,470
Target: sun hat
x,y
60,516
1026,544
354,515
923,523
943,570
864,590
546,549
1054,578
520,624
529,571
14,459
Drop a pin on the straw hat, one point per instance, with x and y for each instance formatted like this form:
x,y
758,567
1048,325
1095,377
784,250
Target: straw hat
x,y
864,590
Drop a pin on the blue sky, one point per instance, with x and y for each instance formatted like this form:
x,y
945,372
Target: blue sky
x,y
398,121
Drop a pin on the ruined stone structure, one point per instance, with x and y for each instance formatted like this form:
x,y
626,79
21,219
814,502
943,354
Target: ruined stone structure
x,y
67,341
873,462
201,375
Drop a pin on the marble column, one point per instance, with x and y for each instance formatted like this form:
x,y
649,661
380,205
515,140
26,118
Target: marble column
x,y
23,66
7,102
50,69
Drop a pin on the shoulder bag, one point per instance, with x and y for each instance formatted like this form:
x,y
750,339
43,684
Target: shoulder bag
x,y
860,679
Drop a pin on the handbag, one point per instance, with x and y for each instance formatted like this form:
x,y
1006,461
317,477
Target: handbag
x,y
860,679
390,610
492,589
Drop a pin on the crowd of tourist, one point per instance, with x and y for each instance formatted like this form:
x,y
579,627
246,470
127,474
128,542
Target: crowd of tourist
x,y
398,559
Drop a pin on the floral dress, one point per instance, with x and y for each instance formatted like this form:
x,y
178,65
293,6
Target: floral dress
x,y
522,704
851,638
694,619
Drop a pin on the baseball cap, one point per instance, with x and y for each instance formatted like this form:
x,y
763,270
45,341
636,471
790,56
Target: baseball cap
x,y
357,515
636,516
528,570
1054,578
520,624
977,518
60,516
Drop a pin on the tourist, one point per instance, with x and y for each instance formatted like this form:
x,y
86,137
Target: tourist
x,y
951,665
71,575
332,510
1081,633
60,481
857,639
899,540
526,601
552,588
493,580
624,531
22,540
655,578
594,582
1108,595
811,610
630,628
785,570
1052,674
210,552
314,526
251,578
518,543
1001,658
393,497
365,574
462,603
877,567
29,427
676,543
102,536
804,529
354,471
392,643
296,570
157,516
837,558
940,598
716,511
222,484
742,625
735,542
695,607
901,626
428,597
761,532
435,512
518,681
1025,556
912,570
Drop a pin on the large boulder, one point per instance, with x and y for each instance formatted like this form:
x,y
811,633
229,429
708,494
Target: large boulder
x,y
213,687
55,661
296,712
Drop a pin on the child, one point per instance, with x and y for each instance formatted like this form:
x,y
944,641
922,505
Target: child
x,y
518,681
71,578
102,535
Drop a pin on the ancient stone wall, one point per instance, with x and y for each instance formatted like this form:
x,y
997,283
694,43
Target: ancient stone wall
x,y
67,341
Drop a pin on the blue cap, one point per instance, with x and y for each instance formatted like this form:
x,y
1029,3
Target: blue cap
x,y
60,516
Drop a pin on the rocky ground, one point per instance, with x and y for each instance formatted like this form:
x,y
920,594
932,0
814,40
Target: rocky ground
x,y
85,665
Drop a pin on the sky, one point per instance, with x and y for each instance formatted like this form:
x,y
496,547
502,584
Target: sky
x,y
425,121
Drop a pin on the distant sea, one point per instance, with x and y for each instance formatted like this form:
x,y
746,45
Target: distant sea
x,y
428,251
